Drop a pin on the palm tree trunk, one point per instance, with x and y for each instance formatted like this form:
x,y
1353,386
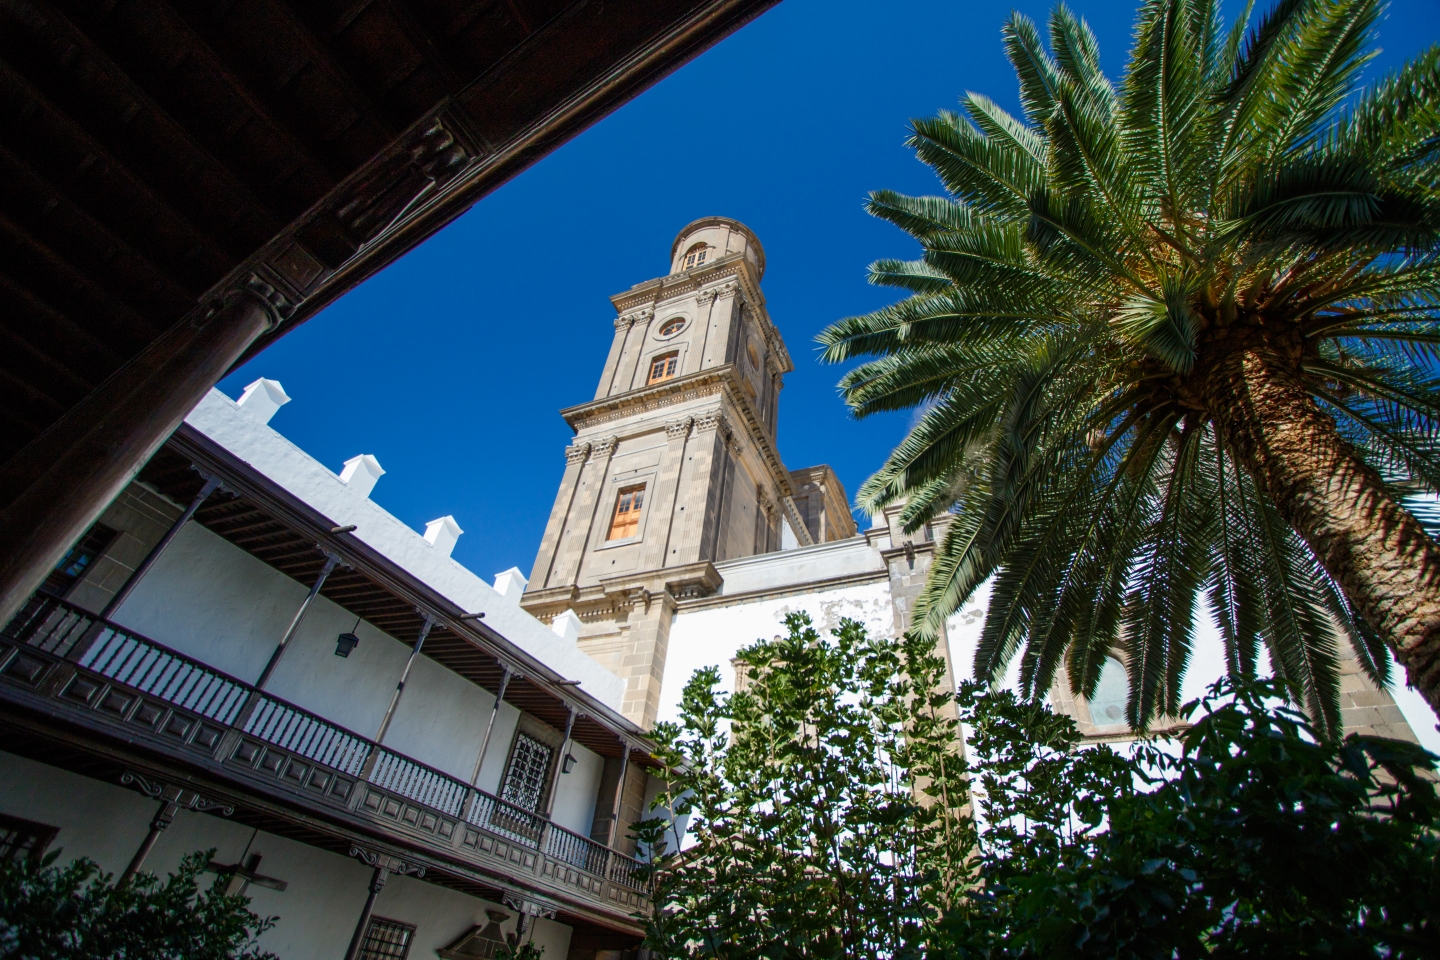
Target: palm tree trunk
x,y
1374,549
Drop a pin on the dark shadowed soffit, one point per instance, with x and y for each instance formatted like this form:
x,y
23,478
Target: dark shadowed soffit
x,y
153,153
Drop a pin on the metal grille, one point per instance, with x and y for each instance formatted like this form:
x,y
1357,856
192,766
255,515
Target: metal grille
x,y
525,780
23,839
386,940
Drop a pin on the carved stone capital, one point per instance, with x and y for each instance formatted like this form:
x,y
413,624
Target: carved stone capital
x,y
678,429
633,317
603,447
705,296
712,420
577,452
762,497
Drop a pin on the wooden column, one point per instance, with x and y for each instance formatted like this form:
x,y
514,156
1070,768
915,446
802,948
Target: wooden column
x,y
55,488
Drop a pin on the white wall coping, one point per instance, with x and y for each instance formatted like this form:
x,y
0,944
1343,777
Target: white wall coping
x,y
280,460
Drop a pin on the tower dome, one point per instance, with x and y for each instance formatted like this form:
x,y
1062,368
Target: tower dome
x,y
710,238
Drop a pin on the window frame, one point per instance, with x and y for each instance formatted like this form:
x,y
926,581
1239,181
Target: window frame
x,y
87,551
610,538
40,836
674,370
368,953
677,323
695,256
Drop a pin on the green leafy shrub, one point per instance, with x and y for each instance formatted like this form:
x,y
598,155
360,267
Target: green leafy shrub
x,y
76,912
830,816
821,827
1250,836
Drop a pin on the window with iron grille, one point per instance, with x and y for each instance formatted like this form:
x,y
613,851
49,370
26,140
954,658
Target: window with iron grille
x,y
386,940
77,560
529,767
24,839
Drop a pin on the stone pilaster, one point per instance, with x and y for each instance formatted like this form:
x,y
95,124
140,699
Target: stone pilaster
x,y
695,538
575,456
588,499
664,497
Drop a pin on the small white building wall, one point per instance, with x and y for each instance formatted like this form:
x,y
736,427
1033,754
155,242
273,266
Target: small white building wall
x,y
852,557
316,913
211,600
711,635
221,419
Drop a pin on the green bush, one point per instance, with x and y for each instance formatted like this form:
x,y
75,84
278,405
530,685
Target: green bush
x,y
1248,836
831,817
76,912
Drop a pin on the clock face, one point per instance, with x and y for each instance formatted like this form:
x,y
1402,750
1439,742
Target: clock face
x,y
754,355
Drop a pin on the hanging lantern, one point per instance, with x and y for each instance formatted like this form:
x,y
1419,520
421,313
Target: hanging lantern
x,y
347,641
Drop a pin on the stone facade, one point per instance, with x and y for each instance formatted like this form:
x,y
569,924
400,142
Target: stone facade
x,y
729,540
685,414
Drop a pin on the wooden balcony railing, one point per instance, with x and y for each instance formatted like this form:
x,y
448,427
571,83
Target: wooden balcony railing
x,y
120,682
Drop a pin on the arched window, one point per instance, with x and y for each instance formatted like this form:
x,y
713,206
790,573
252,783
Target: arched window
x,y
663,367
671,327
1107,707
695,256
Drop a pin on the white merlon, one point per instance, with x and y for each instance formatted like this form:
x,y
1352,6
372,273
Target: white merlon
x,y
567,625
442,534
262,398
218,417
510,584
360,474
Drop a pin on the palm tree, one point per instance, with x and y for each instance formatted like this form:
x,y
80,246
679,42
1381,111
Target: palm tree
x,y
1172,337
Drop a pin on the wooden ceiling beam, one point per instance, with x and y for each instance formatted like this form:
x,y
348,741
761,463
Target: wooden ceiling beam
x,y
165,38
99,89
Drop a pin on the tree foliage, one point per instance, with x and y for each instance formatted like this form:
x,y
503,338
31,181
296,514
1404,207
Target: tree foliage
x,y
1175,337
76,912
823,799
1251,836
832,815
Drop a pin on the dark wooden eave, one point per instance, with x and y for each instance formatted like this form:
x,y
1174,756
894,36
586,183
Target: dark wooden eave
x,y
279,529
156,154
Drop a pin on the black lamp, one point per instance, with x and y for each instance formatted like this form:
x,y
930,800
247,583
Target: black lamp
x,y
347,641
568,763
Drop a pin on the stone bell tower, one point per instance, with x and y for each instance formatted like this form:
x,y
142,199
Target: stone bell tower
x,y
674,466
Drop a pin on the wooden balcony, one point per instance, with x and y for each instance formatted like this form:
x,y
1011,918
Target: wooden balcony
x,y
64,663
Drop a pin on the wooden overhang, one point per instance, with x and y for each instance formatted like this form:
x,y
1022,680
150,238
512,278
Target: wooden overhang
x,y
276,527
155,154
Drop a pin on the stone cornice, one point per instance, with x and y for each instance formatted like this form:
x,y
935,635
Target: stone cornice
x,y
722,381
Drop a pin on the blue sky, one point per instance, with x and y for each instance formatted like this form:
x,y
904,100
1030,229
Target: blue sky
x,y
451,365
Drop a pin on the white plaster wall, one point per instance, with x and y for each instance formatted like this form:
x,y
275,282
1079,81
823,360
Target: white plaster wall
x,y
1207,663
767,571
213,601
218,417
575,797
316,913
498,754
710,636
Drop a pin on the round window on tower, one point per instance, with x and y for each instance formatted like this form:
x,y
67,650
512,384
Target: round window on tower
x,y
754,354
671,327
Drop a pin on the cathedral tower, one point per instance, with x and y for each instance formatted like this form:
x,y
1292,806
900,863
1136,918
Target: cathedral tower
x,y
674,466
